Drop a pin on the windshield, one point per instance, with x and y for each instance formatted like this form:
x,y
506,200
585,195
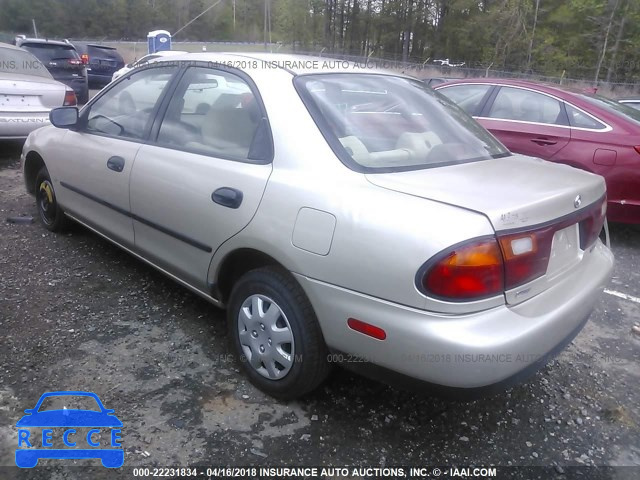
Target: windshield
x,y
612,105
380,123
47,52
21,63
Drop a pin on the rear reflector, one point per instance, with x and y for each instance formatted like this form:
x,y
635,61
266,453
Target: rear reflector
x,y
367,329
70,98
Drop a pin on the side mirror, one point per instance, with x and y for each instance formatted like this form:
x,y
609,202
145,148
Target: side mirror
x,y
64,117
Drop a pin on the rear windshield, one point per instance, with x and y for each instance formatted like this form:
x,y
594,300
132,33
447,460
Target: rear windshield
x,y
47,52
613,106
22,63
104,52
381,123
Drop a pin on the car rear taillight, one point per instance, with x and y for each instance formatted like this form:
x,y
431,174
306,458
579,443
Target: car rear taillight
x,y
591,226
70,98
482,268
85,58
526,255
469,271
74,61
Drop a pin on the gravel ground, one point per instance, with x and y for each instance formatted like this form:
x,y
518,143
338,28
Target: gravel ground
x,y
76,313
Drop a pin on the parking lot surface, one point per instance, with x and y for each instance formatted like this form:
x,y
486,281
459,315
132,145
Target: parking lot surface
x,y
76,313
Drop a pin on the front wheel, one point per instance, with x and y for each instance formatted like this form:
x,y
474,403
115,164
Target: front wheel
x,y
51,214
275,332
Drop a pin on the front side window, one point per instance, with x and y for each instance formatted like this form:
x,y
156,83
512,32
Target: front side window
x,y
214,112
386,123
467,97
126,109
526,106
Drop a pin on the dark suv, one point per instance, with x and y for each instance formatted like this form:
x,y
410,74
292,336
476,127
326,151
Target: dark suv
x,y
101,62
63,62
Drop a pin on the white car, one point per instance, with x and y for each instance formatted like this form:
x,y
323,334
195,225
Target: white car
x,y
145,60
27,93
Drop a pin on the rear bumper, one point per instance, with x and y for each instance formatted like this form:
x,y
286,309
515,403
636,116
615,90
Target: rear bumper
x,y
18,125
100,78
391,377
623,212
483,350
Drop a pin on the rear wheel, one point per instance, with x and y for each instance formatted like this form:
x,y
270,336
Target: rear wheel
x,y
51,214
276,334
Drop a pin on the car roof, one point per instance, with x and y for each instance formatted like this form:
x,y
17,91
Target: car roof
x,y
545,87
44,41
10,47
294,64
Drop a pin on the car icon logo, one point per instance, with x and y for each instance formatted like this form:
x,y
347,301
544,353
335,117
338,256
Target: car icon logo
x,y
577,202
31,447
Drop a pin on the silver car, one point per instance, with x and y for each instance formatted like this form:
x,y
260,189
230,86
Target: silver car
x,y
339,214
27,93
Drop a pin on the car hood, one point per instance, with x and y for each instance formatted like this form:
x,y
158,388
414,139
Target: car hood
x,y
513,192
69,418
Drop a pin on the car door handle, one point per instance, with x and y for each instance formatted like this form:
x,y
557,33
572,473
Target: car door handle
x,y
227,197
116,164
544,141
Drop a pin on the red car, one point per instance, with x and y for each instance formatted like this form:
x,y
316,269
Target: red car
x,y
563,125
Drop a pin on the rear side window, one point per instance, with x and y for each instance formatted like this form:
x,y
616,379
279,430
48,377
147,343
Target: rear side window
x,y
215,113
468,97
527,106
48,52
580,119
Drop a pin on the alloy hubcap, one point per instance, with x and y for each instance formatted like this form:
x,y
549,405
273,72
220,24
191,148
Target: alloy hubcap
x,y
266,337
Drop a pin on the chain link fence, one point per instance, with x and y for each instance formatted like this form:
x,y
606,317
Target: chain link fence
x,y
131,50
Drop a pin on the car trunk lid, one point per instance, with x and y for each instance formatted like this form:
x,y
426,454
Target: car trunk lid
x,y
24,93
517,194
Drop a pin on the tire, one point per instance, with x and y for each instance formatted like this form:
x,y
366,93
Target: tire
x,y
51,214
282,351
